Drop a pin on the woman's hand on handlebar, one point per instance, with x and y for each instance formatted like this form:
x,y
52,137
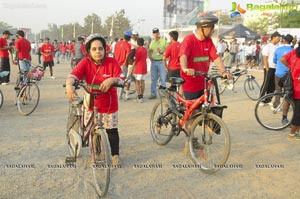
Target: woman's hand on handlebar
x,y
70,91
106,84
189,71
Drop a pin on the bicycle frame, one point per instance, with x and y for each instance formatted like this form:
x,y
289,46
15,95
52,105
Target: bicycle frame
x,y
207,99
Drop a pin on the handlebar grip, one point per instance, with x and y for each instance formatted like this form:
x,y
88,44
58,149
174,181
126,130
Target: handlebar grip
x,y
118,85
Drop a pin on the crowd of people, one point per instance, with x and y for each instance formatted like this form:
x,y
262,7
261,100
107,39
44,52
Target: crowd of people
x,y
101,65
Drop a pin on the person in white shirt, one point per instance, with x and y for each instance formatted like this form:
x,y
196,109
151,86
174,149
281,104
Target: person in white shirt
x,y
268,85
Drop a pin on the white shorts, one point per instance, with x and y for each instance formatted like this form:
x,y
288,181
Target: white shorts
x,y
140,77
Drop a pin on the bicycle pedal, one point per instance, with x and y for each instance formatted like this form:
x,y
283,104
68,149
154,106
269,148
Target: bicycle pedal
x,y
70,160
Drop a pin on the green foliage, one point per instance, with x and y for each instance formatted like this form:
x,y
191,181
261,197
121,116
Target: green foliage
x,y
92,24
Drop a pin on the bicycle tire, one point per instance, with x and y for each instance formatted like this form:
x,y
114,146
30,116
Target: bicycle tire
x,y
101,158
210,157
161,121
28,98
270,119
252,89
73,132
1,98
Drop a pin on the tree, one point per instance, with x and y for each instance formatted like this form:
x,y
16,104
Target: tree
x,y
118,26
92,24
289,19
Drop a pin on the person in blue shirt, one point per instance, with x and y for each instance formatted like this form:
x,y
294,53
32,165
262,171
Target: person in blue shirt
x,y
280,72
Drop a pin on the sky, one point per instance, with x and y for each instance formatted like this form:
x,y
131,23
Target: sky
x,y
37,14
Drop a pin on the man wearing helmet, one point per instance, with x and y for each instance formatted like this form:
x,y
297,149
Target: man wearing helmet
x,y
196,52
100,73
79,49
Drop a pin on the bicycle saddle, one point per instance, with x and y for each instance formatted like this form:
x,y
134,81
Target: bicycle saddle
x,y
177,80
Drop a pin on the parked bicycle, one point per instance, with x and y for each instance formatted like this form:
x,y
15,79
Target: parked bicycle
x,y
199,119
27,90
271,117
92,135
251,86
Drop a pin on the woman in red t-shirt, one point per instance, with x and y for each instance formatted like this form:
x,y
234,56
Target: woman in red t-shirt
x,y
100,72
292,60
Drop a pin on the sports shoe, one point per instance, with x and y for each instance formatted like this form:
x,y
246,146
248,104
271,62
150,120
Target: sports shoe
x,y
115,160
4,83
262,104
294,136
152,97
284,121
141,100
52,77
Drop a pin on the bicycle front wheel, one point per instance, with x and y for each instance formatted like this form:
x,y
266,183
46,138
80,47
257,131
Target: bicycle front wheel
x,y
269,111
101,161
162,123
28,98
252,88
73,132
1,98
209,143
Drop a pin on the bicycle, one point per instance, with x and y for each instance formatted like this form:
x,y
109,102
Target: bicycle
x,y
91,134
251,86
208,135
27,90
2,74
270,117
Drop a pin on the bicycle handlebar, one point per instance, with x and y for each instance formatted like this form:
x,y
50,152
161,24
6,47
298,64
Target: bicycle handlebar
x,y
208,76
78,84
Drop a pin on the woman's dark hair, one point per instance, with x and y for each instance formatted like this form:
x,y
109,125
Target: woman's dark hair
x,y
298,50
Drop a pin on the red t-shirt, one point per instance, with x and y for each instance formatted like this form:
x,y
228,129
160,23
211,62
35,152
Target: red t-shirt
x,y
199,54
23,47
83,50
172,52
140,61
122,50
293,64
3,53
72,48
47,50
107,102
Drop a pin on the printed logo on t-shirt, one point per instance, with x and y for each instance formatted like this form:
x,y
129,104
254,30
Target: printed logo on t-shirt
x,y
201,59
106,75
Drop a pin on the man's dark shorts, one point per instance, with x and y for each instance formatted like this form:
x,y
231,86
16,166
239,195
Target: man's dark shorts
x,y
48,63
192,95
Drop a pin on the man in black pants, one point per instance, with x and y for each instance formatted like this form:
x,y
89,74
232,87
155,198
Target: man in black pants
x,y
4,56
268,85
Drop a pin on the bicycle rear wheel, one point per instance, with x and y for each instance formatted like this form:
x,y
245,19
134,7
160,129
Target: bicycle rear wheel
x,y
1,98
162,123
252,88
101,161
209,145
271,117
28,98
